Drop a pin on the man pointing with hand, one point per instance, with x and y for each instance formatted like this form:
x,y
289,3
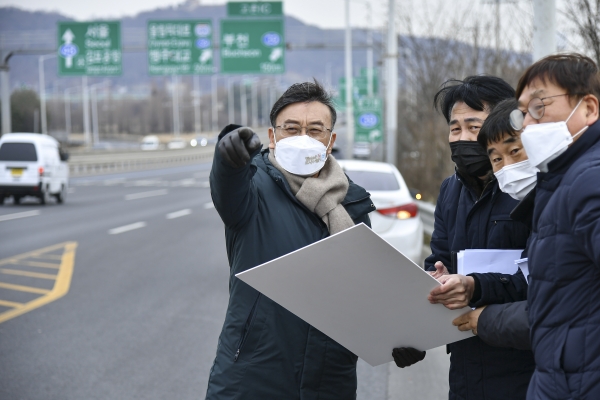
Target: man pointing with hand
x,y
273,202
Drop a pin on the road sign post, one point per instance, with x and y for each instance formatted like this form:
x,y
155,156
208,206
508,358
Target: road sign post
x,y
252,46
89,48
180,47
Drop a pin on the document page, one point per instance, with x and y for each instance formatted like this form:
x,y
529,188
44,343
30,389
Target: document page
x,y
483,261
360,291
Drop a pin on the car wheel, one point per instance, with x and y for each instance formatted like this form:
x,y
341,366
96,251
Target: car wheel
x,y
1,199
60,196
45,196
17,199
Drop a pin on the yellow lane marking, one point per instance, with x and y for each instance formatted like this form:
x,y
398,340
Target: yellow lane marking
x,y
61,284
28,274
10,304
21,288
37,264
49,257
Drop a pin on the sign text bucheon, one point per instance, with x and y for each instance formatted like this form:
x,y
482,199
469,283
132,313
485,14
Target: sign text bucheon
x,y
180,47
252,46
89,48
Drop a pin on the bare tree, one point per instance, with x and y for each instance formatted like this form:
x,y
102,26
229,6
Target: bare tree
x,y
585,15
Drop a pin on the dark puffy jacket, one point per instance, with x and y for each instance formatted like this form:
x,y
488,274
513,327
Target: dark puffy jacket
x,y
464,221
564,267
264,351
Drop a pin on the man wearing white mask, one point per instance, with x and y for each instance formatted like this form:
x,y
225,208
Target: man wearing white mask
x,y
558,103
273,202
505,325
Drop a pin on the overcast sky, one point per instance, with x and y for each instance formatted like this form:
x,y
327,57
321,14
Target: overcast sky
x,y
324,13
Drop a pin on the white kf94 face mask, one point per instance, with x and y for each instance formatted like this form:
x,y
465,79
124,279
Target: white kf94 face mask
x,y
301,155
517,179
544,142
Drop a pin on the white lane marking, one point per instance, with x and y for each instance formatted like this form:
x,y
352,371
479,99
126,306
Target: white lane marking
x,y
209,205
184,182
18,215
143,195
113,182
126,228
180,213
71,190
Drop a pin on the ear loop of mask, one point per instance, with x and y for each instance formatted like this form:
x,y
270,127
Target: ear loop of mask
x,y
569,117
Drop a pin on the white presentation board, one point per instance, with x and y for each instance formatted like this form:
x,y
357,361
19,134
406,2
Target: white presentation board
x,y
360,291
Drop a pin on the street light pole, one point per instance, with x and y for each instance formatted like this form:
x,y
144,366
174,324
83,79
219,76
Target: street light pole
x,y
86,110
391,63
254,102
230,110
5,93
42,83
175,95
244,102
349,105
544,28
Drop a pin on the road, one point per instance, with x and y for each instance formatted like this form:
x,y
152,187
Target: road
x,y
146,297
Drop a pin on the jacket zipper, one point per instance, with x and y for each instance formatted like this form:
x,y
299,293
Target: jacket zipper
x,y
246,329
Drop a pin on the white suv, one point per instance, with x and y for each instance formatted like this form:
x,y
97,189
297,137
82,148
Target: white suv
x,y
397,217
31,164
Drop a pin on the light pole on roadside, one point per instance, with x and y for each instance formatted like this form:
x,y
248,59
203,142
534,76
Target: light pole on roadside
x,y
391,83
349,100
175,95
230,109
197,99
544,28
244,102
42,83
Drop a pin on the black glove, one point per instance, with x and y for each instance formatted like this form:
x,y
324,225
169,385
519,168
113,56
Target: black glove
x,y
407,356
236,146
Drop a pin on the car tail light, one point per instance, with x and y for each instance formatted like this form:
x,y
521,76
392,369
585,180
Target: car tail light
x,y
41,171
405,211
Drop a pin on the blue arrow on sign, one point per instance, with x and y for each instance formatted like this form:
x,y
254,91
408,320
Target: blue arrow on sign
x,y
368,120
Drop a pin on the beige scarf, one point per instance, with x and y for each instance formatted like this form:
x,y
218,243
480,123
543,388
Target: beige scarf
x,y
322,195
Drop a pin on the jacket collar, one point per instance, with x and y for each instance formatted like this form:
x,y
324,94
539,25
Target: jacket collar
x,y
587,139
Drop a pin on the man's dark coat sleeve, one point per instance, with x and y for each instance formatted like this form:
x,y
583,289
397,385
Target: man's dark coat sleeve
x,y
505,325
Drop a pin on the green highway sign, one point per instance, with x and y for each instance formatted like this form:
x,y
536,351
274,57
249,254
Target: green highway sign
x,y
252,46
89,48
368,126
360,87
180,47
255,9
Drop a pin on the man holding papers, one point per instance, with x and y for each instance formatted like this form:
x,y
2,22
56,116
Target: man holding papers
x,y
472,213
505,325
273,202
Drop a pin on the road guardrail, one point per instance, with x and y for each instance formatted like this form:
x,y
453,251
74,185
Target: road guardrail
x,y
427,210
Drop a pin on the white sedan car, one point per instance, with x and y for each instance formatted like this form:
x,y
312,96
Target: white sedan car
x,y
397,217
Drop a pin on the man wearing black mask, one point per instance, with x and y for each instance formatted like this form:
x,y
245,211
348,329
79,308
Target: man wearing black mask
x,y
472,213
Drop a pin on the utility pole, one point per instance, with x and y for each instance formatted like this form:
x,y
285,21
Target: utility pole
x,y
544,28
349,100
391,69
254,102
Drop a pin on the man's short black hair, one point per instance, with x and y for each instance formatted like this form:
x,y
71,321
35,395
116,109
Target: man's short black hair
x,y
303,93
574,72
480,92
497,124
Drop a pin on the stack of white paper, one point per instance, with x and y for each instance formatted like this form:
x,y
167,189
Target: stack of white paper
x,y
483,261
360,291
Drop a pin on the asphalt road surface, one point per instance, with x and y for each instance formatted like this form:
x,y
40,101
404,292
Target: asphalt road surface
x,y
142,255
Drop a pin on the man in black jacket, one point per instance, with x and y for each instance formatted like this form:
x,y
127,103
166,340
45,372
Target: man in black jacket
x,y
505,325
273,202
472,213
